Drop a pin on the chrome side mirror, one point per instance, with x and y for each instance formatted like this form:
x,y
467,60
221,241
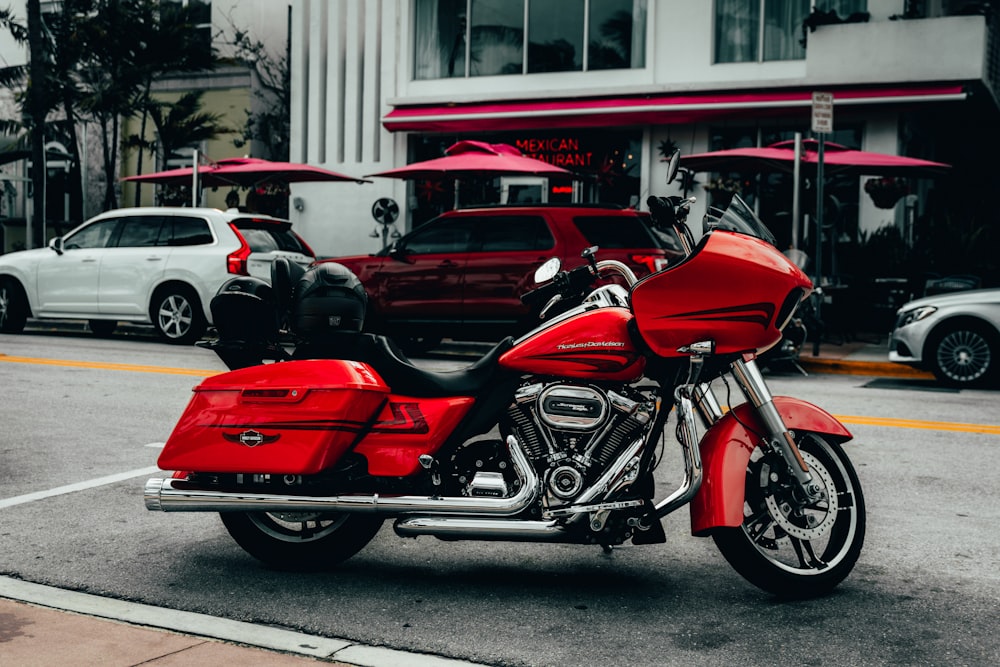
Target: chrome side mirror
x,y
674,164
547,271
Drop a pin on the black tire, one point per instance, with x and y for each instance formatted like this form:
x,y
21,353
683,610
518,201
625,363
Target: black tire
x,y
797,556
964,355
13,307
102,328
177,316
301,541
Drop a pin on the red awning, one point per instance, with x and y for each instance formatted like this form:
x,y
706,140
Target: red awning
x,y
644,109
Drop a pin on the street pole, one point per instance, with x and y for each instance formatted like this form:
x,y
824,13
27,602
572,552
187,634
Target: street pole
x,y
822,124
819,237
796,179
194,180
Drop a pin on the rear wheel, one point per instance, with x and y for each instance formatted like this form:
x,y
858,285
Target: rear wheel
x,y
177,315
964,355
792,552
301,540
13,307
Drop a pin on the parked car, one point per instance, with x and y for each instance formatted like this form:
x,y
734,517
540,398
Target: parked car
x,y
461,274
954,335
159,266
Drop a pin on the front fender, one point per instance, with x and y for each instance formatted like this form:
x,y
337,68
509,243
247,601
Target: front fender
x,y
725,452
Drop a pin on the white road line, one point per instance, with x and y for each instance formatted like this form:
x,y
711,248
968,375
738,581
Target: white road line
x,y
158,445
78,486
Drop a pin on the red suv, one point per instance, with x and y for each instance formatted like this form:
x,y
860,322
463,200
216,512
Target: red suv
x,y
461,274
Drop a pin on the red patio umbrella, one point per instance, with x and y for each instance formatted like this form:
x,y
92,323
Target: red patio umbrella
x,y
837,159
475,158
246,173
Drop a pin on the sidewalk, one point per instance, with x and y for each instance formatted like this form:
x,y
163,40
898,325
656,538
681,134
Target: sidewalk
x,y
868,356
43,626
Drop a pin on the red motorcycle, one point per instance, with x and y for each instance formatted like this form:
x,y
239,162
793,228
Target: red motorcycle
x,y
552,437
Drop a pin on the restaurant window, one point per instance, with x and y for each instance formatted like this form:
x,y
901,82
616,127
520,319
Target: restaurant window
x,y
767,30
464,38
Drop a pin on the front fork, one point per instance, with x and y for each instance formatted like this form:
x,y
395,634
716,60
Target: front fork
x,y
778,437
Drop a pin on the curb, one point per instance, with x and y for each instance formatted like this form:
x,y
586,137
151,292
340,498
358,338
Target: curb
x,y
851,367
240,633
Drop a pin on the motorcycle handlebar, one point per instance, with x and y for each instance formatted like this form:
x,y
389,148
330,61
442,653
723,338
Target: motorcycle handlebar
x,y
564,283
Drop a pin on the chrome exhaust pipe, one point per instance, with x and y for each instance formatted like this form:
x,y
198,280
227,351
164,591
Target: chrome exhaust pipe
x,y
462,528
688,438
170,495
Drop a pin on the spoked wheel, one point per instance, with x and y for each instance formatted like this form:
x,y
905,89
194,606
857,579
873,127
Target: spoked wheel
x,y
301,540
964,356
177,316
797,553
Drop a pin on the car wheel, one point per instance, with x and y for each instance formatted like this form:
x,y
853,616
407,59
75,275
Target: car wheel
x,y
13,307
177,315
964,355
102,328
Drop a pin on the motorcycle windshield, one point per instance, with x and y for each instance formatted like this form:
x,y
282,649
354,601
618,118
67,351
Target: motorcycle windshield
x,y
738,217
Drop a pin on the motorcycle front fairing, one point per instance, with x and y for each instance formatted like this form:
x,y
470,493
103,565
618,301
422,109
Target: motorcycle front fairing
x,y
725,451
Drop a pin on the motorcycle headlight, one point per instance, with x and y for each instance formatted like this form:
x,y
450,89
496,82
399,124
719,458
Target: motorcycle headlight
x,y
915,315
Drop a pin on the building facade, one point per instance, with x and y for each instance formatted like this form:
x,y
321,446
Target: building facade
x,y
229,91
607,87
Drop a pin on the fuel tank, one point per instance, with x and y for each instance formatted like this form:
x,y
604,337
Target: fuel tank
x,y
736,290
594,345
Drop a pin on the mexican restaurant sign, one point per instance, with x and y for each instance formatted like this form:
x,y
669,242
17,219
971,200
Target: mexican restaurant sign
x,y
563,152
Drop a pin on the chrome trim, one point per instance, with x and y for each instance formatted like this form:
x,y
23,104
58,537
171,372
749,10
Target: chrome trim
x,y
481,529
707,404
168,495
751,381
688,438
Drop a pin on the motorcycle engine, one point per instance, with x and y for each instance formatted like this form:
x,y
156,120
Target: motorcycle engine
x,y
573,432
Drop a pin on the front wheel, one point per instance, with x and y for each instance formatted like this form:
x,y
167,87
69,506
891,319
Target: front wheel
x,y
790,551
301,540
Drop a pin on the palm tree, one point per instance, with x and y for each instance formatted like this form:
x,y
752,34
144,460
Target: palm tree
x,y
171,44
182,124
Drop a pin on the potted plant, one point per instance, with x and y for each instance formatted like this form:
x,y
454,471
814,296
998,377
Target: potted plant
x,y
886,191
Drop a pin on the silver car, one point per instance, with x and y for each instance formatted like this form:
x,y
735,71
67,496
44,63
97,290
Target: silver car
x,y
158,266
955,335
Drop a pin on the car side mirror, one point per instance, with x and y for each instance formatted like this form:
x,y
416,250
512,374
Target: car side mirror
x,y
57,245
397,251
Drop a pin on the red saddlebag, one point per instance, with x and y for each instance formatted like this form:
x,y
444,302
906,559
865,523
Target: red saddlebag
x,y
295,418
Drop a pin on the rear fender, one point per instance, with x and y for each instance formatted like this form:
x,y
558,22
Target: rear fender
x,y
725,452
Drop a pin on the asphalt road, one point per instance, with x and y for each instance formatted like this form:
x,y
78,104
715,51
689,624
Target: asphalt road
x,y
83,419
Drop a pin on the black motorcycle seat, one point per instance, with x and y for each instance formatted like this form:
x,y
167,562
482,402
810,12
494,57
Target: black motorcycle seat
x,y
392,364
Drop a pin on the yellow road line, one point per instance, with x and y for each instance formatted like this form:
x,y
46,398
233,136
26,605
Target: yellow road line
x,y
108,366
991,429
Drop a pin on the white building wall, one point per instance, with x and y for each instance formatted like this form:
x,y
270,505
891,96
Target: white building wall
x,y
351,51
353,59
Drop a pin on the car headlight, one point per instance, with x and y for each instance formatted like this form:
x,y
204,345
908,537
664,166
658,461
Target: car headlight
x,y
915,315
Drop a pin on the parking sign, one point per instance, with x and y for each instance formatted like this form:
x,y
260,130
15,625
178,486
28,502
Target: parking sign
x,y
822,113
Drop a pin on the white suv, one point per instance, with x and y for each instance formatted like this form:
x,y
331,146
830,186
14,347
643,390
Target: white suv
x,y
159,266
